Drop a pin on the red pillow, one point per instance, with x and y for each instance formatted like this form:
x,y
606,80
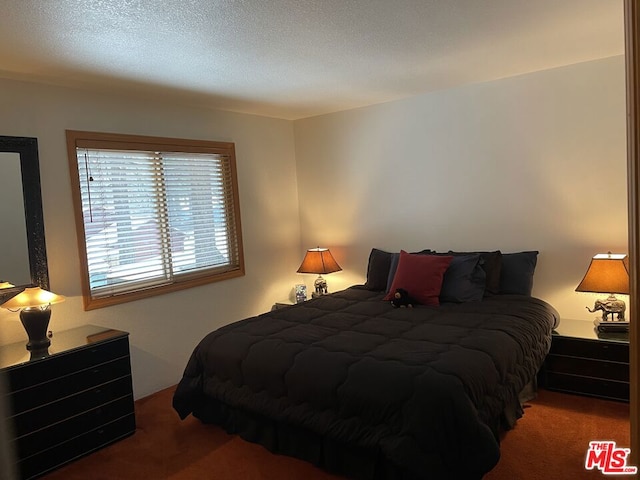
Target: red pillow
x,y
421,276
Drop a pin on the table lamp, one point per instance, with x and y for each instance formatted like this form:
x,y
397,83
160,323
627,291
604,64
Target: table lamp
x,y
319,260
607,273
33,304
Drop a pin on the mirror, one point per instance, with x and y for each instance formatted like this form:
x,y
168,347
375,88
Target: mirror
x,y
14,267
23,261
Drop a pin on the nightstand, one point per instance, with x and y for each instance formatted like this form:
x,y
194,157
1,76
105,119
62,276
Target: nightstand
x,y
282,304
70,399
584,362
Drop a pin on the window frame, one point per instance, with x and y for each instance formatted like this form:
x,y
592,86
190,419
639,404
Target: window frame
x,y
97,140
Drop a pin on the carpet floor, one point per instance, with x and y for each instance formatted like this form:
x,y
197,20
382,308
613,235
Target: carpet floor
x,y
549,442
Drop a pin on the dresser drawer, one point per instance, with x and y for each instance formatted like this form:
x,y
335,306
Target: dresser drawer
x,y
43,393
81,445
615,352
65,364
597,387
588,367
67,407
32,443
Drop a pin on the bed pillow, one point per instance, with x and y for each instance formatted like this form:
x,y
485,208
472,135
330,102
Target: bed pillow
x,y
394,265
516,276
464,280
421,276
378,269
491,263
392,270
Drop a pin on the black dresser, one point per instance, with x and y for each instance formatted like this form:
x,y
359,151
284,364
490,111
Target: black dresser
x,y
69,400
585,362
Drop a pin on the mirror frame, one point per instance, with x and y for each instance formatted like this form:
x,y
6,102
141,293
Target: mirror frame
x,y
27,148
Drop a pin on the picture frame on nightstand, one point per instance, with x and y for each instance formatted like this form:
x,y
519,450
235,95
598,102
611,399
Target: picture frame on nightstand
x,y
300,293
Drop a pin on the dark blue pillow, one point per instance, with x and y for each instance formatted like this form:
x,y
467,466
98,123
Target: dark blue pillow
x,y
516,275
464,280
491,263
395,257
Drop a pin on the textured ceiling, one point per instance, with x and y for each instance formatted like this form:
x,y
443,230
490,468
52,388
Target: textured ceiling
x,y
297,58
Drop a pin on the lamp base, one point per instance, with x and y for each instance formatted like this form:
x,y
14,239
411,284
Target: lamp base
x,y
611,326
321,287
38,354
36,322
610,306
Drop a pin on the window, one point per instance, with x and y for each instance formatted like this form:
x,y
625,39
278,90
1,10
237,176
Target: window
x,y
153,215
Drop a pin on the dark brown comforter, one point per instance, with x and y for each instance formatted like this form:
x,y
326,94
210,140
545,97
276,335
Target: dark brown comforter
x,y
425,388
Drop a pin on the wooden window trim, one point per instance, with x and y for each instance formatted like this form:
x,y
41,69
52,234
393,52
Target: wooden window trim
x,y
82,139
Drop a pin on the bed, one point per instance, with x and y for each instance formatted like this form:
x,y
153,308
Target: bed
x,y
363,389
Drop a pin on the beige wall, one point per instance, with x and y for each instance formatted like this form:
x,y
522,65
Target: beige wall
x,y
165,329
530,162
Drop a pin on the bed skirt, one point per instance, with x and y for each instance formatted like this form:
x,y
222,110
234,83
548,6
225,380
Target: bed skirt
x,y
326,453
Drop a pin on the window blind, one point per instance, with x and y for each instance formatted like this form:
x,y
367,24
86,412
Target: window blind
x,y
154,218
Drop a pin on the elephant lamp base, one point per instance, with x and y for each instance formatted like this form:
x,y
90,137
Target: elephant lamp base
x,y
611,306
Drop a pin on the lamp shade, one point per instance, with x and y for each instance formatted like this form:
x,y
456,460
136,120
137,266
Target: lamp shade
x,y
4,284
607,273
320,261
32,297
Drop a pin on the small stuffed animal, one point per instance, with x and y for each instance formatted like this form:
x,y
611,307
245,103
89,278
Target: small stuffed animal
x,y
401,299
